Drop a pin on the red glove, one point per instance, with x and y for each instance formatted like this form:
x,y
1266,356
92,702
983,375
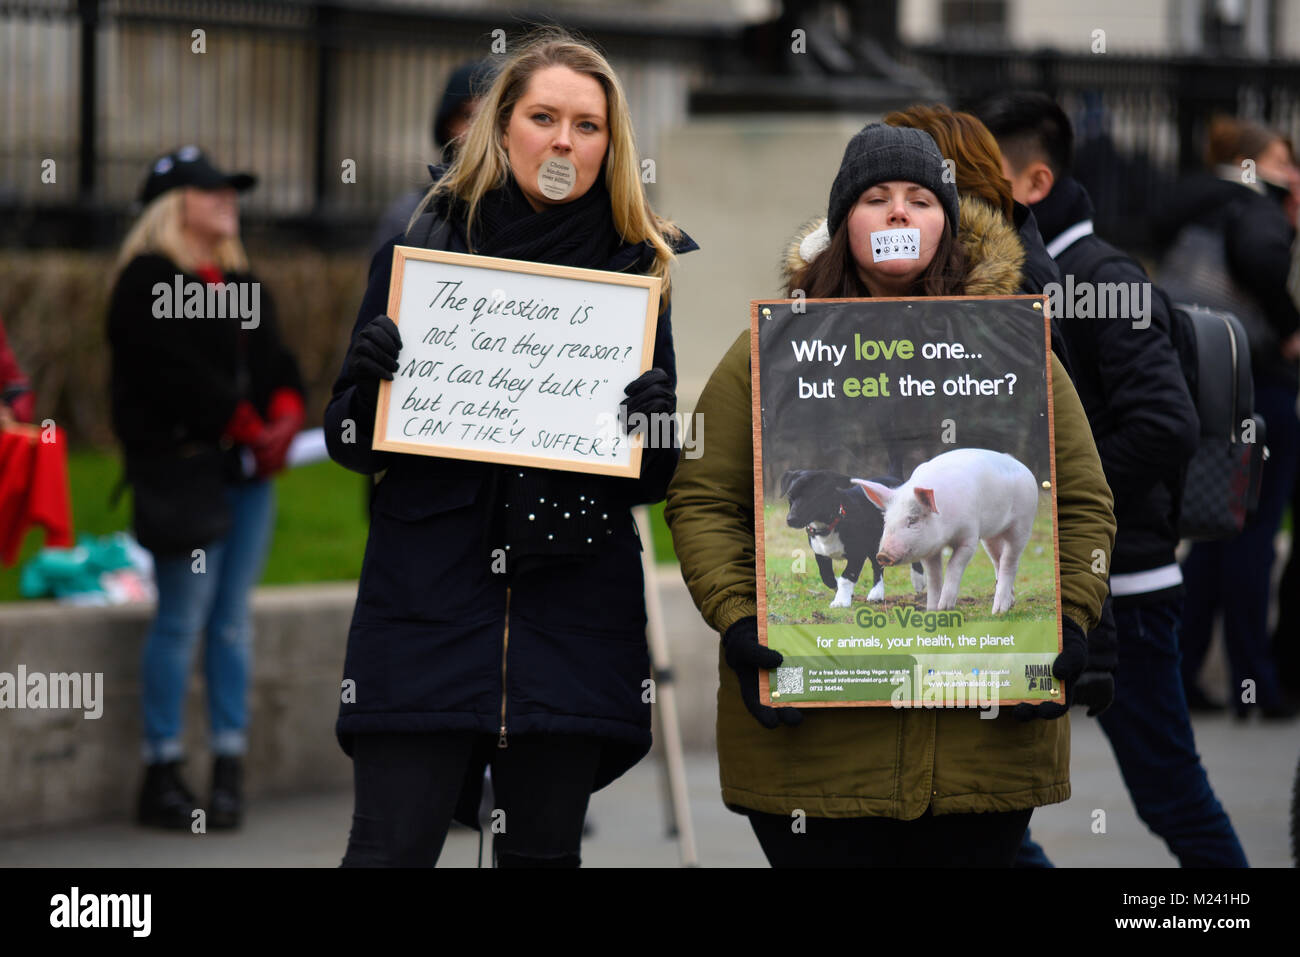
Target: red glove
x,y
271,449
285,403
285,410
245,426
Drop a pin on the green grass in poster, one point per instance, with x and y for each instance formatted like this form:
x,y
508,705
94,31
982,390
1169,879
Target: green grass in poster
x,y
796,593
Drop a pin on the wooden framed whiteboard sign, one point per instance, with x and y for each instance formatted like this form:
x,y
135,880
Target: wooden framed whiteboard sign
x,y
515,362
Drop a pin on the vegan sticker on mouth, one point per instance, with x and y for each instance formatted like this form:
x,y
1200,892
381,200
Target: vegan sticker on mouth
x,y
887,244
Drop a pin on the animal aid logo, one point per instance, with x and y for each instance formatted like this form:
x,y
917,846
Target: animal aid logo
x,y
1039,678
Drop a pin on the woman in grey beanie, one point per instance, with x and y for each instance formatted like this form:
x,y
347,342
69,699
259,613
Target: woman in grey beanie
x,y
890,178
882,786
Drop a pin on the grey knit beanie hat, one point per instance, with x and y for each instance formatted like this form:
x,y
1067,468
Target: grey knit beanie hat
x,y
879,153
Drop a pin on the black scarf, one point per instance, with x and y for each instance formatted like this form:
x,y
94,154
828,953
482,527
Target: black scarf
x,y
580,233
539,512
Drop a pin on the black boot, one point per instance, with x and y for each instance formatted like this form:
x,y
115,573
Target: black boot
x,y
165,801
226,808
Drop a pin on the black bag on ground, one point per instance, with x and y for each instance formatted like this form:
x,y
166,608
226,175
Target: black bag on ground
x,y
179,498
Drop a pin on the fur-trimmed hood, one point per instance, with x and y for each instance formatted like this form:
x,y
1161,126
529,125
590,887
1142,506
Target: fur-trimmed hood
x,y
994,255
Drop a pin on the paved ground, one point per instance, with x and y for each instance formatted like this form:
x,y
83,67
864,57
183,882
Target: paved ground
x,y
1251,767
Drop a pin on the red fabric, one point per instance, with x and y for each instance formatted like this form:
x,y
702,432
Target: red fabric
x,y
245,426
209,272
11,377
24,406
286,403
33,490
284,415
271,452
16,456
10,373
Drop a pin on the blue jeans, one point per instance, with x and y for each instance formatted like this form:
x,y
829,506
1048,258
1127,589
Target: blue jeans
x,y
1236,575
214,601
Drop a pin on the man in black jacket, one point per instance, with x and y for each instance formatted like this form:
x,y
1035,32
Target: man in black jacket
x,y
1130,380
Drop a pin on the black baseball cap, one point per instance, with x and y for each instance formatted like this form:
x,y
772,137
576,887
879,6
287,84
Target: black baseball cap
x,y
188,166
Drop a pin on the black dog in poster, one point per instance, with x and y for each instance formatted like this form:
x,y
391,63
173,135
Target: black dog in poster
x,y
841,522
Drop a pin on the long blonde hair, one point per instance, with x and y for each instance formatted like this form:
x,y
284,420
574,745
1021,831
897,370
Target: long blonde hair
x,y
159,230
481,164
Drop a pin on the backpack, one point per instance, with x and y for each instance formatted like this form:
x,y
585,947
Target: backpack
x,y
1220,490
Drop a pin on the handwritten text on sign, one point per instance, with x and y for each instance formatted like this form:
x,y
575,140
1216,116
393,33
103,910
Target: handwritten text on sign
x,y
515,362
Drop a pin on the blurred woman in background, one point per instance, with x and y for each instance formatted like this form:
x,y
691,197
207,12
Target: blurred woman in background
x,y
200,383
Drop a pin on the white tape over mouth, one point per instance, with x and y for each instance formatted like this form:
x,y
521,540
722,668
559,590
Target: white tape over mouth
x,y
557,177
890,244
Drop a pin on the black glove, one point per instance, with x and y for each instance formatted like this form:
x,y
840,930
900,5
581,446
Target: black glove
x,y
1096,686
1067,667
1096,689
649,393
373,356
745,656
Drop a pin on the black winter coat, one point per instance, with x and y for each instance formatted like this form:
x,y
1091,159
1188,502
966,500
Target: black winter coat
x,y
1132,387
439,641
1258,246
177,380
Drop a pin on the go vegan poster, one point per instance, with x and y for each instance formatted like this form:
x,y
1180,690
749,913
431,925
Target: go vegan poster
x,y
905,501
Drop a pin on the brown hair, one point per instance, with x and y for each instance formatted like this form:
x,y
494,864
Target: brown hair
x,y
966,141
834,273
1230,138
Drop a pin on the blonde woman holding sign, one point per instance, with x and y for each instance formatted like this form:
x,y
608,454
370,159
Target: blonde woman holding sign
x,y
456,659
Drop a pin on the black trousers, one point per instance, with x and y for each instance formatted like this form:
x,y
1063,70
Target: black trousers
x,y
950,840
407,786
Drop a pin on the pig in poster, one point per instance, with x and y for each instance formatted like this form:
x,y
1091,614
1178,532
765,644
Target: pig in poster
x,y
906,532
